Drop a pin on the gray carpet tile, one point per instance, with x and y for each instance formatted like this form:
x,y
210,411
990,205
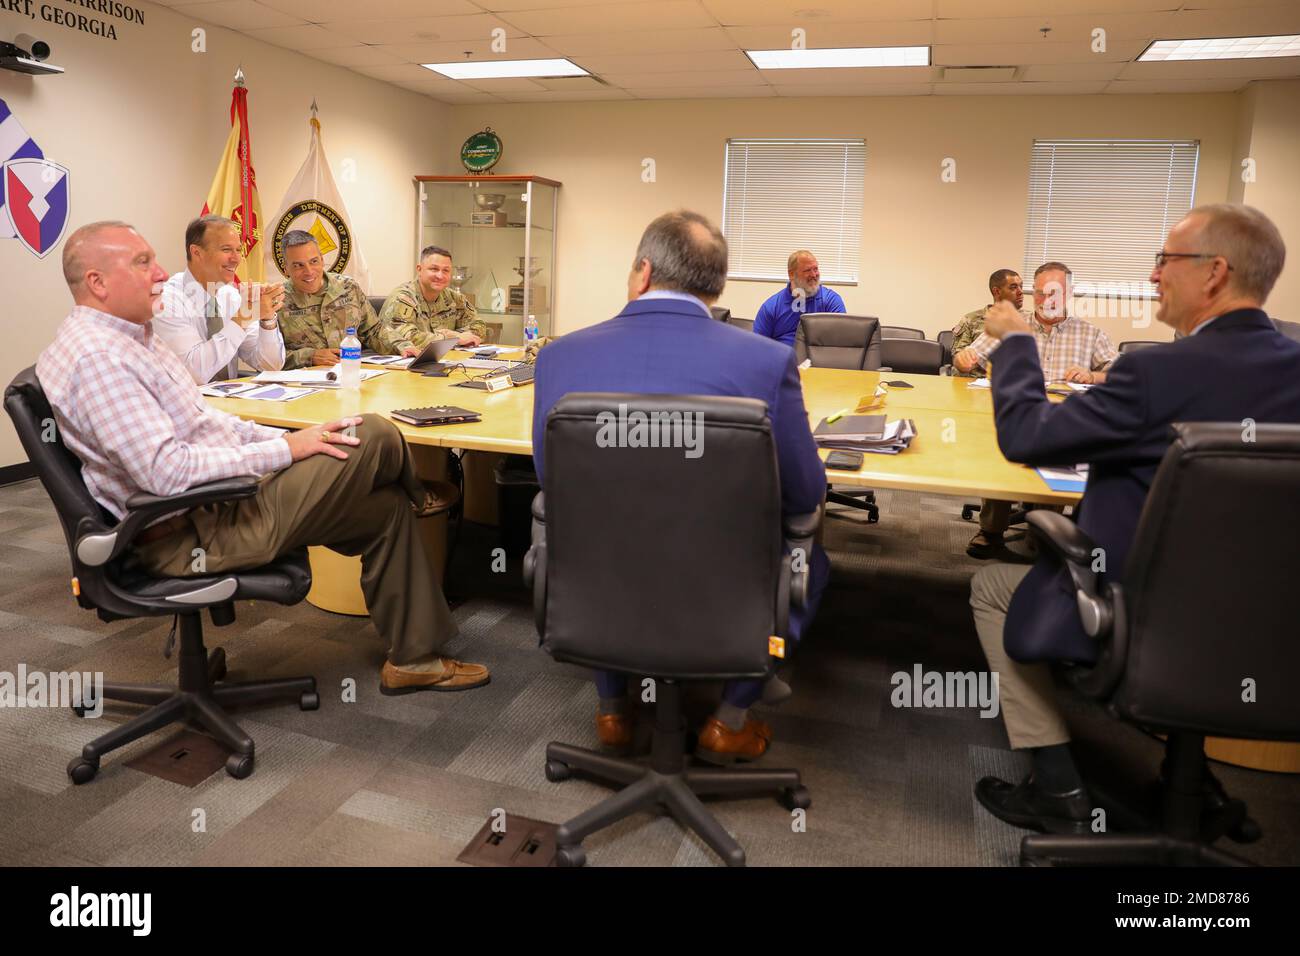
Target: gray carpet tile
x,y
409,780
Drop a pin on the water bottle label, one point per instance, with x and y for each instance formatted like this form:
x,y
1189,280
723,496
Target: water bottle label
x,y
350,352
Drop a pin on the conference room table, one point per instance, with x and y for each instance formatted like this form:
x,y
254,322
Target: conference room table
x,y
955,452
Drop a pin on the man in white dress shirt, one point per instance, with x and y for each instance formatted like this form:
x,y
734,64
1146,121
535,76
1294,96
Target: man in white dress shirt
x,y
204,319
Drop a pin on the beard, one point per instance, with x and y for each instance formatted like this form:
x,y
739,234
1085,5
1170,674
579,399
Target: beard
x,y
809,290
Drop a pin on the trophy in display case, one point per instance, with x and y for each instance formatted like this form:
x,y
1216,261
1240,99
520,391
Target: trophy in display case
x,y
516,304
459,276
489,212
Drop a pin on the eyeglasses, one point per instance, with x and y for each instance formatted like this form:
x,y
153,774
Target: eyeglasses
x,y
1163,257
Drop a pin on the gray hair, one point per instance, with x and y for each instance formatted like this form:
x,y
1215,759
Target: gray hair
x,y
793,262
296,237
686,252
1249,241
77,245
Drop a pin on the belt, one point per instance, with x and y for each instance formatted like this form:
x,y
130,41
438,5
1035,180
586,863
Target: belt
x,y
163,529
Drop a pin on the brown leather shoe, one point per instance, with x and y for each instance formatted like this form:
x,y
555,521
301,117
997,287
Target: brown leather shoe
x,y
614,730
455,675
439,496
719,744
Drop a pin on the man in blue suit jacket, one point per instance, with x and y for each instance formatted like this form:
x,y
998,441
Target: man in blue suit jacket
x,y
1213,276
666,342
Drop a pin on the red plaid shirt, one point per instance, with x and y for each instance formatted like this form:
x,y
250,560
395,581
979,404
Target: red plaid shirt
x,y
126,406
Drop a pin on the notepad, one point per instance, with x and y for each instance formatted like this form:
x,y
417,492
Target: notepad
x,y
315,377
1065,479
849,428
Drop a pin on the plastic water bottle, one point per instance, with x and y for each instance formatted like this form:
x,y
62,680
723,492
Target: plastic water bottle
x,y
350,361
530,329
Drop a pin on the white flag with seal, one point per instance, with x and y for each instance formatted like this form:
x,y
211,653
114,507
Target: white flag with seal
x,y
313,204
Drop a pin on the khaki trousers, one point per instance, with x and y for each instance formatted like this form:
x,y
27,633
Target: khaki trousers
x,y
1025,691
995,516
358,506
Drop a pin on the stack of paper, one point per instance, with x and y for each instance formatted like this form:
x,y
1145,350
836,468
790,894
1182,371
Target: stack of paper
x,y
1065,479
388,361
865,433
313,377
258,392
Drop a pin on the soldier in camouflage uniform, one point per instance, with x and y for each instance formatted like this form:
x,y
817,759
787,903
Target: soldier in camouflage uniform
x,y
1003,284
425,309
319,307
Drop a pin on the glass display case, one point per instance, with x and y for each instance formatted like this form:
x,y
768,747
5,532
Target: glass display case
x,y
500,231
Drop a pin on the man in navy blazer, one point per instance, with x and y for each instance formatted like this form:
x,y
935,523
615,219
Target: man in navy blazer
x,y
1213,276
665,341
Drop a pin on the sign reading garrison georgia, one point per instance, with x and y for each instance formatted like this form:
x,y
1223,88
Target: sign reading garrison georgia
x,y
68,14
481,151
327,227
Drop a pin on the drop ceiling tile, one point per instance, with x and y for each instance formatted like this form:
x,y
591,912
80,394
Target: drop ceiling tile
x,y
421,29
644,41
614,18
306,37
822,35
239,15
1017,89
1245,22
510,84
726,79
466,98
808,13
1078,29
409,73
1259,69
885,89
570,84
1224,85
971,9
560,96
702,93
665,62
356,56
446,51
499,6
852,76
1070,71
324,11
1023,54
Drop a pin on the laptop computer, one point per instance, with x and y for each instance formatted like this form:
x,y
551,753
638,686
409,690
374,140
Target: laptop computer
x,y
430,360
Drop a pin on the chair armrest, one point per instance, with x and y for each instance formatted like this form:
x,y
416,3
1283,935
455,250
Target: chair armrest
x,y
97,548
799,532
1074,549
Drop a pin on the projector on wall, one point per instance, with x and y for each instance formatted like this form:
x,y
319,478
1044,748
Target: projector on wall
x,y
28,55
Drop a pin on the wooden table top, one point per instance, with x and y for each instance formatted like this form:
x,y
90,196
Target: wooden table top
x,y
955,451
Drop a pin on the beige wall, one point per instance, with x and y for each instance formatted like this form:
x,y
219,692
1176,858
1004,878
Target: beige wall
x,y
1274,145
140,124
928,246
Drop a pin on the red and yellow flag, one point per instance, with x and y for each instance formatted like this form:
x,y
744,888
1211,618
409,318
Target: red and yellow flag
x,y
234,188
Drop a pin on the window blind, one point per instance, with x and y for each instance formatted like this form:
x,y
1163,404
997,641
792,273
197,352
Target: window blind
x,y
780,195
1104,207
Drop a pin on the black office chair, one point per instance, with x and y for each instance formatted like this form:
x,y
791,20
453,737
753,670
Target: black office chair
x,y
1134,344
900,332
102,581
836,340
680,586
912,355
945,340
377,302
719,313
745,325
1189,623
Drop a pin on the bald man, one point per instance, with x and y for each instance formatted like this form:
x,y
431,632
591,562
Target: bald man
x,y
130,411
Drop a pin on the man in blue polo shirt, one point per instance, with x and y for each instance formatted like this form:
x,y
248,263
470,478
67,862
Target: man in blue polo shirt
x,y
778,317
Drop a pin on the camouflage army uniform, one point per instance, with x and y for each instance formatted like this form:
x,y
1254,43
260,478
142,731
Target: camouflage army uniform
x,y
968,329
411,319
320,321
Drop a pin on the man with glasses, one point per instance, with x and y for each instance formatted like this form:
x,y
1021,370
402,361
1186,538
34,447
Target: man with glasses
x,y
1212,277
1069,350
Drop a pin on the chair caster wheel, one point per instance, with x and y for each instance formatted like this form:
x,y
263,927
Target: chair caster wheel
x,y
81,770
873,517
968,512
796,798
570,857
79,710
309,701
557,772
217,665
239,766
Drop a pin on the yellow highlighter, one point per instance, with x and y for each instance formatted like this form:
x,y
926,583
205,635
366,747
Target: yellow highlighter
x,y
838,415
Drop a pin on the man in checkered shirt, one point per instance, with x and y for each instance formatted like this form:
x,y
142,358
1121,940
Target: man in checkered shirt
x,y
129,410
1070,350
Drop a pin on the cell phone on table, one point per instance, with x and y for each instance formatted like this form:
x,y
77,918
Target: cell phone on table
x,y
845,460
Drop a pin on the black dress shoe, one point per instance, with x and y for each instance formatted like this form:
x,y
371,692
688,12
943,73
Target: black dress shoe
x,y
1030,806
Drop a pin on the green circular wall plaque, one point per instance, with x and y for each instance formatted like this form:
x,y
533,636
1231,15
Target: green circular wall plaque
x,y
481,151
